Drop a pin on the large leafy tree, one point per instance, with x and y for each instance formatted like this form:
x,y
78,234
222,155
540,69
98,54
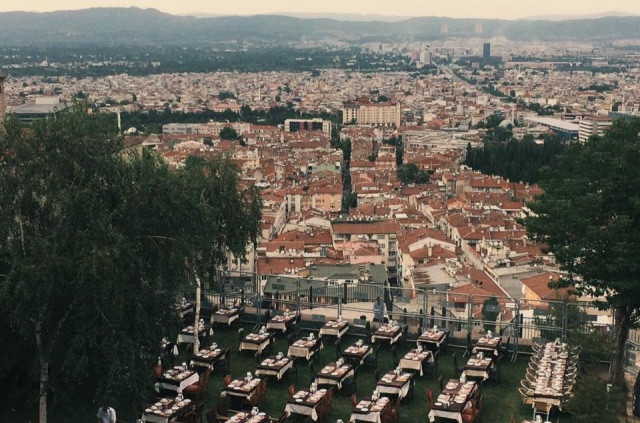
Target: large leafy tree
x,y
92,252
589,218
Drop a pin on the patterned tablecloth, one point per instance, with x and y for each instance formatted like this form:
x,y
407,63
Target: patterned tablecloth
x,y
550,381
334,328
306,403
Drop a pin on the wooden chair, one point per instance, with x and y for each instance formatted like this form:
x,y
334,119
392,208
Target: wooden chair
x,y
222,411
281,419
354,400
212,417
394,356
372,359
227,380
430,398
541,407
338,347
457,370
351,383
240,338
292,390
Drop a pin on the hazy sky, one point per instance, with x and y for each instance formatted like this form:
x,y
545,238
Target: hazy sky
x,y
505,9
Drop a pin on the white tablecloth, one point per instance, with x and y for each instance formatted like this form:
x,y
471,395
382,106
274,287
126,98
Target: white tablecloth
x,y
324,381
371,416
414,364
476,373
452,415
182,384
253,346
303,352
386,338
223,318
333,331
400,392
302,409
277,373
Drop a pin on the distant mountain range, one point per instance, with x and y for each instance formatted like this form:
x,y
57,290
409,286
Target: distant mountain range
x,y
133,26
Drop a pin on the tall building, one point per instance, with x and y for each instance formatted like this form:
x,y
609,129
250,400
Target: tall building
x,y
593,125
365,112
2,99
486,51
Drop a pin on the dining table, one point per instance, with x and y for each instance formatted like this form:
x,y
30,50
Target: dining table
x,y
207,358
415,359
274,366
225,316
432,339
282,322
332,374
395,383
455,398
248,417
241,388
387,332
167,410
478,366
256,341
306,403
335,328
356,353
177,379
305,347
488,344
367,410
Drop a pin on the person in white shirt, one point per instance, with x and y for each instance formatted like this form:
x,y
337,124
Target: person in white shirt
x,y
379,310
106,415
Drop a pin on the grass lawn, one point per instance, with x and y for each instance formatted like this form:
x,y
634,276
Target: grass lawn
x,y
501,401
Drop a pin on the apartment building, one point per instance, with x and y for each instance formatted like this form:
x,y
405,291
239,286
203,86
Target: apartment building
x,y
593,125
365,112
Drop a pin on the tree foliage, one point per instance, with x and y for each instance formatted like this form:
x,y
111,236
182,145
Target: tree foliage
x,y
589,218
92,251
514,160
412,174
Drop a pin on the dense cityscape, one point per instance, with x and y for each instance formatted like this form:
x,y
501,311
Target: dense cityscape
x,y
328,228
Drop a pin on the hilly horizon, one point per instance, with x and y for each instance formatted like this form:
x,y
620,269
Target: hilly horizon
x,y
135,26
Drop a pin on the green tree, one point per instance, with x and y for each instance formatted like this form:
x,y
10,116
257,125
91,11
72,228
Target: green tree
x,y
228,133
92,252
490,312
589,218
411,174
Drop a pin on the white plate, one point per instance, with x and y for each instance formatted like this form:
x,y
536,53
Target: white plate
x,y
439,404
298,399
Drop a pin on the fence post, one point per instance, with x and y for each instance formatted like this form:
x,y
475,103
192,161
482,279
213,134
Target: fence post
x,y
405,318
516,331
242,297
433,314
222,301
344,293
298,292
310,298
565,320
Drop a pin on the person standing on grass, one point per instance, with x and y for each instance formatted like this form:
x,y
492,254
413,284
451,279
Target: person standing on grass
x,y
106,414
